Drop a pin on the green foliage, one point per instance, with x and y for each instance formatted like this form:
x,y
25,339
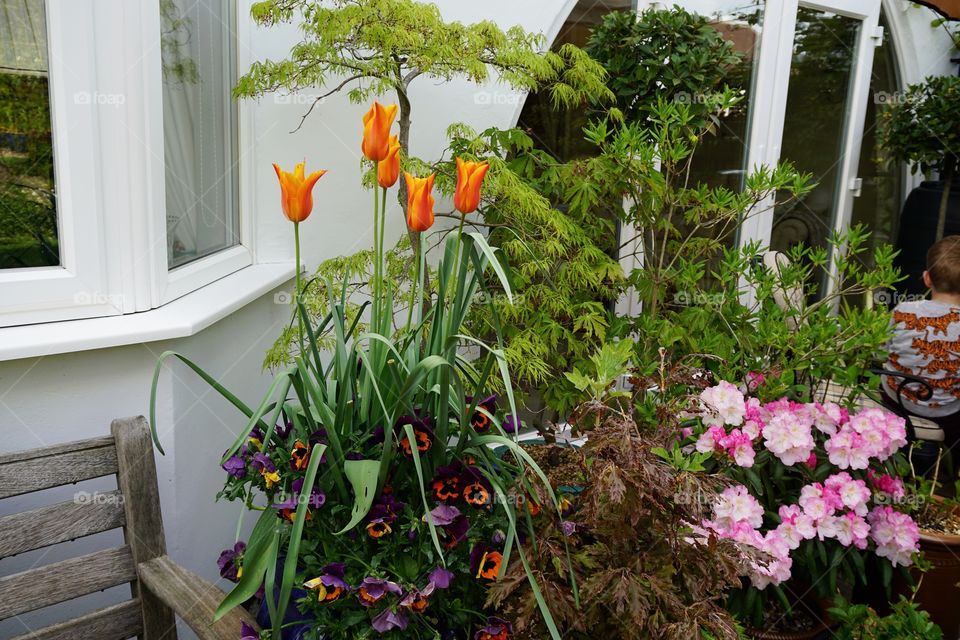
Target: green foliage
x,y
380,46
603,371
779,322
353,274
561,269
905,622
924,126
663,54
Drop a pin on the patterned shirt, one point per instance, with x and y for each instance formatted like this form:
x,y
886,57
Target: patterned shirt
x,y
926,343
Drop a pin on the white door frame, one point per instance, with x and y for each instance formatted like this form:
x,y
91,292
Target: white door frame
x,y
772,87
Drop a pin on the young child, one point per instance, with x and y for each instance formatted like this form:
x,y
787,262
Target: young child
x,y
926,342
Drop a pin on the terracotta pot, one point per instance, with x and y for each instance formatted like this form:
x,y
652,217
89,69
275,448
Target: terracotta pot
x,y
939,594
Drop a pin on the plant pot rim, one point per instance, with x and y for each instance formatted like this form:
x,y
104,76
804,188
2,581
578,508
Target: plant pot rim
x,y
940,539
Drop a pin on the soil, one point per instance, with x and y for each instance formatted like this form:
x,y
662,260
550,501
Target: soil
x,y
562,464
940,521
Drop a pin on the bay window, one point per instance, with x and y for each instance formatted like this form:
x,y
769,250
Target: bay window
x,y
119,156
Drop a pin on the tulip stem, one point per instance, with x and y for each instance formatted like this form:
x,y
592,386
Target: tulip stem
x,y
383,255
456,263
378,259
296,291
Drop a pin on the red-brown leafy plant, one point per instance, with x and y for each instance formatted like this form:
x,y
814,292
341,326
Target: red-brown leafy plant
x,y
625,544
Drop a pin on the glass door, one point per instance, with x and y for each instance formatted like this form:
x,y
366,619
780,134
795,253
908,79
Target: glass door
x,y
818,77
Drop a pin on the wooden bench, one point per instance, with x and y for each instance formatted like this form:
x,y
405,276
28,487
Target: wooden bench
x,y
160,589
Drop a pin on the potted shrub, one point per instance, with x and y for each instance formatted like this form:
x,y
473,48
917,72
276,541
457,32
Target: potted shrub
x,y
380,506
923,128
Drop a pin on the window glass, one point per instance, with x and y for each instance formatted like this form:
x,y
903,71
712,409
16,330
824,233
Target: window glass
x,y
879,203
28,205
721,159
824,54
199,128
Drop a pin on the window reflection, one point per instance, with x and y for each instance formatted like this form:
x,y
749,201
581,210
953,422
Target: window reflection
x,y
28,207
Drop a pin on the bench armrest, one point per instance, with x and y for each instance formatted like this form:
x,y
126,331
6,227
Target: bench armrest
x,y
192,598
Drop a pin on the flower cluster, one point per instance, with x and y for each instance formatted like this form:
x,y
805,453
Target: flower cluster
x,y
791,430
832,484
836,509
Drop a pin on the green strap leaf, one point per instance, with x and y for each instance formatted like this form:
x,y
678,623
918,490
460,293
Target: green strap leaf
x,y
219,388
296,533
255,564
363,476
411,438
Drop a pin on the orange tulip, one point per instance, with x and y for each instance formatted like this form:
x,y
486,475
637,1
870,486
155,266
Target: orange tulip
x,y
296,192
389,168
470,176
376,131
419,202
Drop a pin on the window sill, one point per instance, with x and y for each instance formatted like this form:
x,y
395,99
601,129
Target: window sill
x,y
183,317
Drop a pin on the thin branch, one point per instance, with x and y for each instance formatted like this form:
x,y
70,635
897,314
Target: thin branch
x,y
318,99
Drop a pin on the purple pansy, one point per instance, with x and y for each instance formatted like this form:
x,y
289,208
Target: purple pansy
x,y
568,528
511,424
235,466
456,531
440,577
443,515
372,589
316,500
332,575
229,567
389,620
262,462
284,430
496,628
247,632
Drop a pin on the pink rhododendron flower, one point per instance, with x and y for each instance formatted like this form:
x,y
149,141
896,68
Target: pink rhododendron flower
x,y
887,484
710,439
896,534
854,494
828,417
795,526
725,404
847,449
787,435
736,505
740,447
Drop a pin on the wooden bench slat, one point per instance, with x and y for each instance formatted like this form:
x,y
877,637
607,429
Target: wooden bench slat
x,y
65,467
192,598
65,580
57,523
52,450
118,622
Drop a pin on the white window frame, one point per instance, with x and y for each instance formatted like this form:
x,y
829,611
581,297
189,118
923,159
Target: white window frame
x,y
107,118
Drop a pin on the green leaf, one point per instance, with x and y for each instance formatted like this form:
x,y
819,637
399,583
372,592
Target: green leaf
x,y
255,564
296,533
363,476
